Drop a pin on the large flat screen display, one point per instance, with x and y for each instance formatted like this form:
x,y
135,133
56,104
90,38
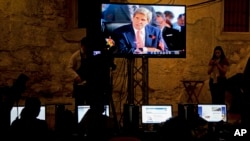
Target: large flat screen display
x,y
156,114
150,30
213,112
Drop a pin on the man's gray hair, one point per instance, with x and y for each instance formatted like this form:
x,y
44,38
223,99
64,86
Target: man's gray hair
x,y
144,11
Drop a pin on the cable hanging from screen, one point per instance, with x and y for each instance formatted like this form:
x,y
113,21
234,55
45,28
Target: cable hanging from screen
x,y
203,3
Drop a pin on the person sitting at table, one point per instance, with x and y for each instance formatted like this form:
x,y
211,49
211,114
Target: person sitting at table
x,y
139,37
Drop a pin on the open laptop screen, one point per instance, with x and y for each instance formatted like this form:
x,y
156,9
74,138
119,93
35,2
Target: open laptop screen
x,y
16,111
156,113
82,110
213,112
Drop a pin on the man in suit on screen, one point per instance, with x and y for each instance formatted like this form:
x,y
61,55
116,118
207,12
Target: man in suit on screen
x,y
139,37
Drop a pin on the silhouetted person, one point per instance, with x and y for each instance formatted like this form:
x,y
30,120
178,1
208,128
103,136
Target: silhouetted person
x,y
176,128
10,96
28,125
64,122
78,70
94,125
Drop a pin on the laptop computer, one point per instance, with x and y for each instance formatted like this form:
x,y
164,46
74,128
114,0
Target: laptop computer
x,y
16,111
156,114
213,112
82,110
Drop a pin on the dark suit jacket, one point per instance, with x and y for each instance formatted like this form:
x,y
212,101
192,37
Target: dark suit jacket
x,y
174,39
171,38
125,40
